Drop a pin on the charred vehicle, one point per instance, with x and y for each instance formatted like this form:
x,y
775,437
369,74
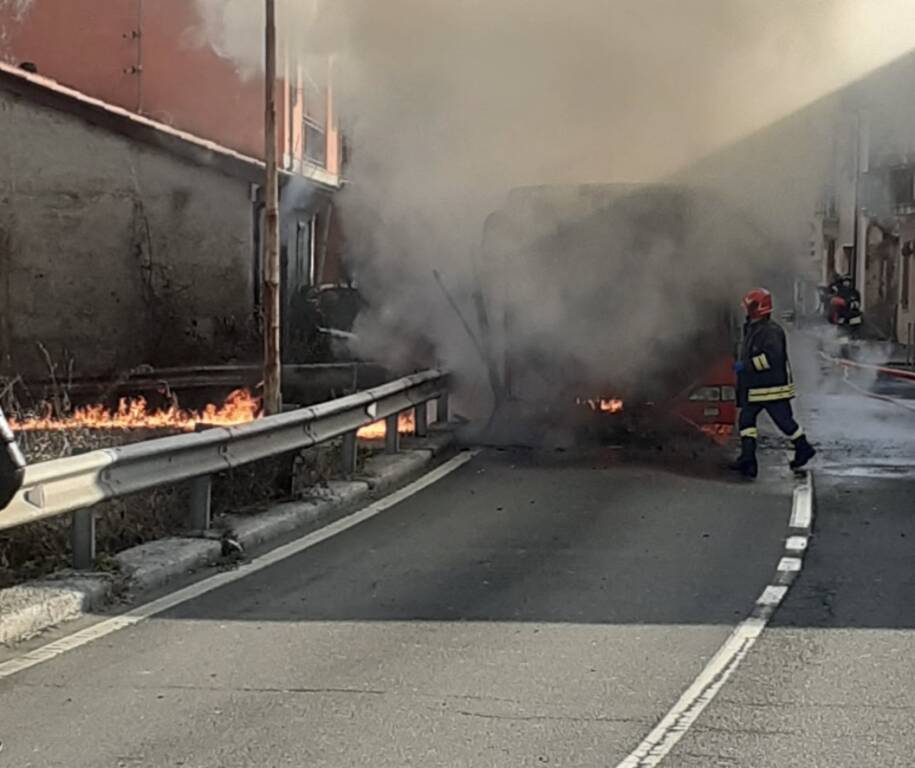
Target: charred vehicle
x,y
621,300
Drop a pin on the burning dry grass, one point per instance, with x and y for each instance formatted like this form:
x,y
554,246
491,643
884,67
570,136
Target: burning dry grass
x,y
48,434
54,430
240,407
406,425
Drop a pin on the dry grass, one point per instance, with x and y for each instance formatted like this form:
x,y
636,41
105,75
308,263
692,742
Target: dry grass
x,y
37,550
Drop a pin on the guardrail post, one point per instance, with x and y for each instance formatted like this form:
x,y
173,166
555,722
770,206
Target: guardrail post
x,y
443,409
421,420
82,539
201,503
349,454
392,433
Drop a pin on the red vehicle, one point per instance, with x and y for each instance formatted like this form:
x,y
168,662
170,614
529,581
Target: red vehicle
x,y
710,403
621,299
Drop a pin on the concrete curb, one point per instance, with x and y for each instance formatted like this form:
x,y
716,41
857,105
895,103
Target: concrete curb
x,y
383,471
155,563
286,518
29,609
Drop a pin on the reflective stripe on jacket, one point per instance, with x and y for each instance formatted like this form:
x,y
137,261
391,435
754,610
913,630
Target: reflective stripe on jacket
x,y
766,374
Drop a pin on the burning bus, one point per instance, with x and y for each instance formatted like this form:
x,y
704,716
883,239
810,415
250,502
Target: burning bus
x,y
620,299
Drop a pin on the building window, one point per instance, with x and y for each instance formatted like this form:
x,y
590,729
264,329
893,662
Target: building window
x,y
303,270
315,144
902,186
312,249
301,253
830,259
314,110
907,250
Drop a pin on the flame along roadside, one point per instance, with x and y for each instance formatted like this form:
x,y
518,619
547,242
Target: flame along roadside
x,y
240,407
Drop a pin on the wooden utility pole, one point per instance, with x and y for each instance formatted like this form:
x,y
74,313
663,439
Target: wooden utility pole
x,y
273,398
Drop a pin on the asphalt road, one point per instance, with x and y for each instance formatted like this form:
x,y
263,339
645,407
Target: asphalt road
x,y
533,609
831,683
529,609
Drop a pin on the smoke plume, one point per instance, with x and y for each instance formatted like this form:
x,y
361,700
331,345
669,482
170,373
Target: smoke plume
x,y
448,106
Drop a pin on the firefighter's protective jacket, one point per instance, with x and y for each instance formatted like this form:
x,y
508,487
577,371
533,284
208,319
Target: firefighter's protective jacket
x,y
850,313
766,374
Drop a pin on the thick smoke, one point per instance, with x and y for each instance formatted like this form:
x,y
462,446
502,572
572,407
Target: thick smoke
x,y
450,105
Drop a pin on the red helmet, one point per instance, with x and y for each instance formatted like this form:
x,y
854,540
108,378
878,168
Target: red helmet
x,y
758,303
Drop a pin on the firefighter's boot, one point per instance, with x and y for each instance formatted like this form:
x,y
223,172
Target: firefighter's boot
x,y
803,452
746,462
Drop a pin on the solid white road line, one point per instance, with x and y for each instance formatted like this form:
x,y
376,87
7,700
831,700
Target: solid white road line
x,y
665,735
658,744
109,626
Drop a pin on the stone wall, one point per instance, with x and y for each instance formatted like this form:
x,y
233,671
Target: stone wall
x,y
116,253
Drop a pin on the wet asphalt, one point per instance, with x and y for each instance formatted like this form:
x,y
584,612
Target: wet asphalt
x,y
831,683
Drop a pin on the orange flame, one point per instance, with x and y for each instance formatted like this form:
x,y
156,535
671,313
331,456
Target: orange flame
x,y
611,406
378,430
239,407
604,405
720,433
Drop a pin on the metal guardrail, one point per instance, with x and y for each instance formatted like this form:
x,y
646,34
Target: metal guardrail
x,y
75,484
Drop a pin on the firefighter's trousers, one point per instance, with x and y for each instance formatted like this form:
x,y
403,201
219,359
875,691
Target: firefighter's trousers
x,y
779,411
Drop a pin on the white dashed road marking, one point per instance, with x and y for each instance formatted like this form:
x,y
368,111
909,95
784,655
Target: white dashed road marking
x,y
659,743
802,509
796,545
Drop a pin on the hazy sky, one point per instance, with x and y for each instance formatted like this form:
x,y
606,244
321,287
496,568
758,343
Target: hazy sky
x,y
672,79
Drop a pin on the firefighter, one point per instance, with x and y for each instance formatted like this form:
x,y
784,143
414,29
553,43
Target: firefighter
x,y
765,383
846,289
850,314
845,306
12,464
